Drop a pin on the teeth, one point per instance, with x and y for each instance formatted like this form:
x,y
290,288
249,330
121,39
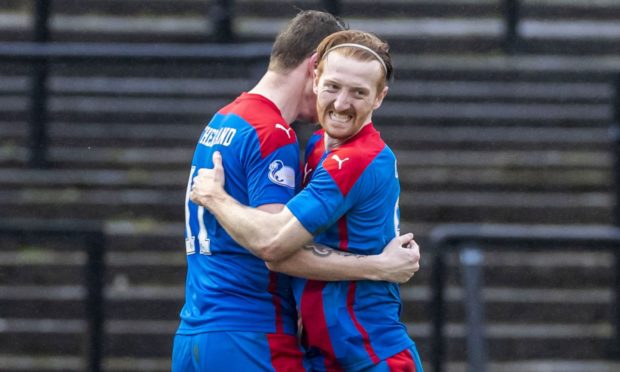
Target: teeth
x,y
339,117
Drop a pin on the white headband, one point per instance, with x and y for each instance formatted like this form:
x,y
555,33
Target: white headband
x,y
359,46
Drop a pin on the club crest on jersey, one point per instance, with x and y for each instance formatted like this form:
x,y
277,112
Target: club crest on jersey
x,y
281,175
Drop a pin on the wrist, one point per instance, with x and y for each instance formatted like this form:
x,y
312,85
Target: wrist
x,y
374,271
213,200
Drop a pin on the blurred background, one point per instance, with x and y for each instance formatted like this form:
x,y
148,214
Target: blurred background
x,y
502,114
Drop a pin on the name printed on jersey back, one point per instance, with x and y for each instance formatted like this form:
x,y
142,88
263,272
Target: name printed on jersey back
x,y
213,136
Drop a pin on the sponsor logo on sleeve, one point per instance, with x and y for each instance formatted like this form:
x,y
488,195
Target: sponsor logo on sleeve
x,y
281,174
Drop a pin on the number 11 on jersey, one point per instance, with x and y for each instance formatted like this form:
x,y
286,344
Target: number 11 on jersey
x,y
203,237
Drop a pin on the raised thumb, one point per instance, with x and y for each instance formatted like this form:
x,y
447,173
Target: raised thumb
x,y
217,160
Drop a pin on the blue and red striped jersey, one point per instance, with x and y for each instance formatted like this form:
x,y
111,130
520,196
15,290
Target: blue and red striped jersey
x,y
227,287
350,202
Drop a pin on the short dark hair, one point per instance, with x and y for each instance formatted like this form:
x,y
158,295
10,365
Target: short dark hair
x,y
300,38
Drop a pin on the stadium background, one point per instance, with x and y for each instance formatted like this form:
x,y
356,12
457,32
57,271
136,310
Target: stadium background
x,y
490,126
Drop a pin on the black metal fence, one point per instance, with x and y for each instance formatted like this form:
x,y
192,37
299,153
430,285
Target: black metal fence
x,y
470,241
94,241
40,53
469,238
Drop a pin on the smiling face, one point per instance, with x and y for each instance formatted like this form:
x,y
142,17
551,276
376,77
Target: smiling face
x,y
347,92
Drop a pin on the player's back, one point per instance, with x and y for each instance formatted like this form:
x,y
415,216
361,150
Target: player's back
x,y
227,287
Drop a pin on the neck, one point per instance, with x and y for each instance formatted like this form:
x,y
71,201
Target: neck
x,y
285,90
332,143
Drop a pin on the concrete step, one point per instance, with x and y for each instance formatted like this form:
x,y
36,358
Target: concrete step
x,y
121,271
505,159
419,68
399,137
491,91
473,138
137,338
86,156
93,179
420,90
569,9
543,365
199,109
142,86
479,23
48,363
474,33
27,363
141,248
125,301
156,236
500,68
437,207
547,9
422,179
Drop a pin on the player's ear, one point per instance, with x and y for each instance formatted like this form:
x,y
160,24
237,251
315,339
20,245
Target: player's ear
x,y
312,61
380,97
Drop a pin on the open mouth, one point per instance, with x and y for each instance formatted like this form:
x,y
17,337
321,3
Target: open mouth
x,y
341,118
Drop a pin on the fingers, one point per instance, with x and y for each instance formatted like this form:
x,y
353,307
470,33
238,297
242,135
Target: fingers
x,y
217,160
412,244
405,239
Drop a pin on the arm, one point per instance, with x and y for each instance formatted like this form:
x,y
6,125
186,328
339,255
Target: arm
x,y
274,234
270,236
397,263
318,262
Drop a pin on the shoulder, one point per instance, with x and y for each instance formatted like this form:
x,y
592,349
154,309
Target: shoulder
x,y
272,131
347,163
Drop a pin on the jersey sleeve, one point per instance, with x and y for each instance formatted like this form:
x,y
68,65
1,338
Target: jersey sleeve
x,y
272,178
320,204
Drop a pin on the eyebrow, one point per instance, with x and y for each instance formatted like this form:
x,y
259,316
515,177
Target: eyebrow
x,y
354,87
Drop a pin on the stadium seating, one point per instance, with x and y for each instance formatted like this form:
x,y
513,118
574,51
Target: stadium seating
x,y
481,136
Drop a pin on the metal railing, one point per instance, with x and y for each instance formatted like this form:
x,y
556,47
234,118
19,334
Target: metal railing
x,y
93,236
40,55
511,12
41,52
470,240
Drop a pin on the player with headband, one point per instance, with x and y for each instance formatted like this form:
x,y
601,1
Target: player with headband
x,y
238,315
350,202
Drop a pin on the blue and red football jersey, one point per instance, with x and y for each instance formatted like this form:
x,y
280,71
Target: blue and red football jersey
x,y
227,287
350,202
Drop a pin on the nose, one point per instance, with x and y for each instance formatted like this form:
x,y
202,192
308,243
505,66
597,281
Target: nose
x,y
342,101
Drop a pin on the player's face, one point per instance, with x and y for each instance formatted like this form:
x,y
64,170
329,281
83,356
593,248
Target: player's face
x,y
347,94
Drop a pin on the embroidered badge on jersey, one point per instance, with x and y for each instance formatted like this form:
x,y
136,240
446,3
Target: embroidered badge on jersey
x,y
281,174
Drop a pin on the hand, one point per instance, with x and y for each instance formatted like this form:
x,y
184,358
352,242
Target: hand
x,y
400,259
209,183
